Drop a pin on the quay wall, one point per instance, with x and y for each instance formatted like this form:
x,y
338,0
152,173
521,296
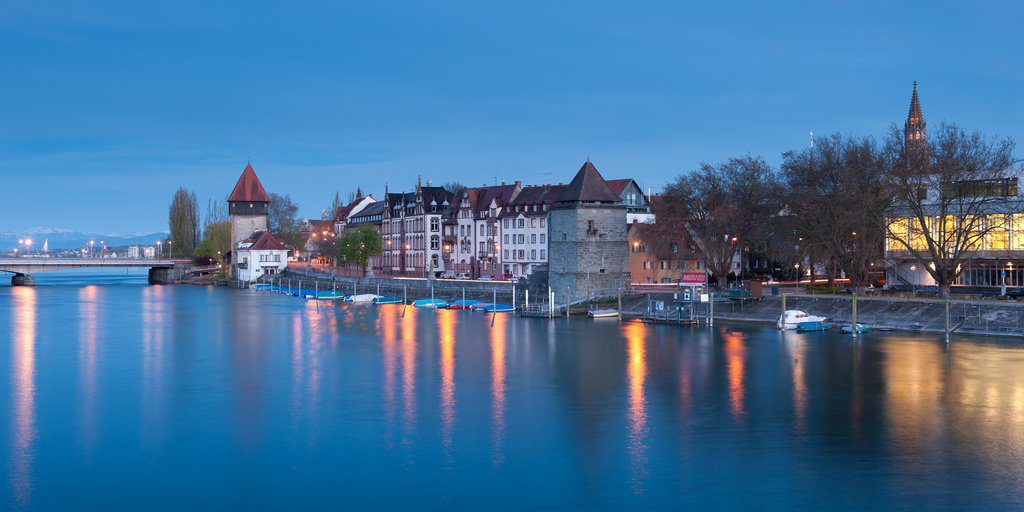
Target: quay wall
x,y
448,289
990,318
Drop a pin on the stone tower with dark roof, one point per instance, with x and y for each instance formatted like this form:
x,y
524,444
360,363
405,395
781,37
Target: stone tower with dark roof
x,y
587,242
249,207
914,131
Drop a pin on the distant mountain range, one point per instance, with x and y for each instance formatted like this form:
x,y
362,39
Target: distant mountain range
x,y
68,239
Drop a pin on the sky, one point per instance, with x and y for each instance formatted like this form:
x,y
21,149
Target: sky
x,y
107,107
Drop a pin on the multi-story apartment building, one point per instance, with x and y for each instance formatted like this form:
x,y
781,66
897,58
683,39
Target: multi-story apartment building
x,y
411,230
524,230
638,204
476,244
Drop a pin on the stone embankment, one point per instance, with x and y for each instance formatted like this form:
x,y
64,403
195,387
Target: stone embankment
x,y
413,288
990,318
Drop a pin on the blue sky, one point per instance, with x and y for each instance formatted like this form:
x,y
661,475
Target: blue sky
x,y
107,107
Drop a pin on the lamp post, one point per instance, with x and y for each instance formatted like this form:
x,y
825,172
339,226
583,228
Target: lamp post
x,y
91,242
28,246
170,248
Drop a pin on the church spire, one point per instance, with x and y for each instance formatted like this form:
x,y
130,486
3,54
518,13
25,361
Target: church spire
x,y
914,132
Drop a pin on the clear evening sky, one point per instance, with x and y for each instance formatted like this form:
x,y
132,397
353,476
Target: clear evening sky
x,y
107,107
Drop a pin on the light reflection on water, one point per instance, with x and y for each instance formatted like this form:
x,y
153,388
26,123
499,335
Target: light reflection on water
x,y
23,305
176,397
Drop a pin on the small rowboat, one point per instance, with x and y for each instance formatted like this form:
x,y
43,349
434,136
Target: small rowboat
x,y
363,298
603,313
463,304
812,326
498,308
431,303
387,300
860,328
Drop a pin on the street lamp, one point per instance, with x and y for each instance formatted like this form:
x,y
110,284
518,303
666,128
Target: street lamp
x,y
91,242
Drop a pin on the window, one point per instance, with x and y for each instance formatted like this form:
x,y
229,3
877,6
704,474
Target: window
x,y
522,239
533,254
435,243
522,223
663,264
506,238
481,230
435,224
543,256
522,254
542,238
543,221
506,223
533,222
506,254
533,238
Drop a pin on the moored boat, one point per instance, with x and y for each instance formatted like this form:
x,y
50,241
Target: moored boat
x,y
498,308
812,326
387,300
463,304
431,303
792,318
860,328
362,298
603,313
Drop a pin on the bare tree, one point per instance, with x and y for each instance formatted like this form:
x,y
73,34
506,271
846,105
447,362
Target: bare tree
x,y
954,195
282,220
837,196
722,209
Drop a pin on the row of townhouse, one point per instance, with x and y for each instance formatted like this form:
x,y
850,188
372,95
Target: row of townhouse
x,y
500,231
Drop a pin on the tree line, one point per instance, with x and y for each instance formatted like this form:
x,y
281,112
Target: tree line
x,y
835,204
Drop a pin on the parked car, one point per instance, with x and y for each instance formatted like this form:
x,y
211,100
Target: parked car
x,y
462,275
447,274
485,278
1015,293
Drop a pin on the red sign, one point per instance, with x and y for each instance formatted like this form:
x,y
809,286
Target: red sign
x,y
693,278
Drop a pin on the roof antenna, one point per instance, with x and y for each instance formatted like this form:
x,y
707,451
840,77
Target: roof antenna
x,y
812,140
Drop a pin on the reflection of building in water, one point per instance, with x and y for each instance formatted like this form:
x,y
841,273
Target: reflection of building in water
x,y
409,369
796,344
24,386
735,354
498,383
387,322
968,402
636,374
446,333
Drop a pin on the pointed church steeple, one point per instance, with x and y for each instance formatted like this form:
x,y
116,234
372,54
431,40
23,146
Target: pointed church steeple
x,y
914,131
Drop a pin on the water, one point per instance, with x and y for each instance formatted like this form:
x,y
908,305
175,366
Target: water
x,y
126,396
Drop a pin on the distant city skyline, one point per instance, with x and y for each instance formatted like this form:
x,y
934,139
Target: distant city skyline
x,y
108,109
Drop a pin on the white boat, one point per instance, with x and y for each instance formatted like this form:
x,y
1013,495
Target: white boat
x,y
603,313
792,318
362,298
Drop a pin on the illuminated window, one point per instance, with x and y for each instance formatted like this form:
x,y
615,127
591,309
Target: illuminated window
x,y
998,235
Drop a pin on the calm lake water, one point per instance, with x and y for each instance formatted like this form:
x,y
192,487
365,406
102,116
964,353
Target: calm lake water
x,y
127,396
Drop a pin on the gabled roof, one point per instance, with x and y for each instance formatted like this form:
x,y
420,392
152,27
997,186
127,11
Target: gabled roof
x,y
587,187
374,208
249,189
263,241
480,198
437,195
619,186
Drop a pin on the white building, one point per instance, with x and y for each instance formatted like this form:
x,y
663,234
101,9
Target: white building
x,y
477,247
260,254
524,230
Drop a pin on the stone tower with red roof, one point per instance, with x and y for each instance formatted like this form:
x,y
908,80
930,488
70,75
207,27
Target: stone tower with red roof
x,y
249,206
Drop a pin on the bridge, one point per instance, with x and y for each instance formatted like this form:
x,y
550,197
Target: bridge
x,y
24,267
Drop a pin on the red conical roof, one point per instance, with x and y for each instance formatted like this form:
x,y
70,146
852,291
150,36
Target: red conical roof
x,y
249,188
588,187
